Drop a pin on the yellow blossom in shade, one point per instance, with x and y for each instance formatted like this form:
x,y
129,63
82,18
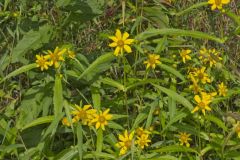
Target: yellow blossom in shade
x,y
42,62
210,56
143,140
140,131
218,3
201,75
222,89
85,114
71,54
202,103
102,119
56,56
237,130
185,55
184,139
121,42
152,61
125,142
66,122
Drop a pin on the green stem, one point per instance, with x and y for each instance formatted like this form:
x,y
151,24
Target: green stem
x,y
125,85
80,141
99,140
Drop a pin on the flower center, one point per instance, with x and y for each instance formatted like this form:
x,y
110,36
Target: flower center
x,y
128,144
218,2
184,53
184,138
238,129
102,119
152,60
201,105
200,75
82,114
139,132
120,43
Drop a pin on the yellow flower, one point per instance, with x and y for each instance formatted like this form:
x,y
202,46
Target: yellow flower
x,y
217,3
185,55
140,131
202,103
56,56
210,56
184,138
71,54
143,141
201,75
102,119
153,59
66,122
42,62
84,114
210,96
125,142
222,89
121,42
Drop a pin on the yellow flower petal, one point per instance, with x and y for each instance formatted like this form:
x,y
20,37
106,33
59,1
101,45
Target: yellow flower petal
x,y
127,49
125,36
114,44
118,34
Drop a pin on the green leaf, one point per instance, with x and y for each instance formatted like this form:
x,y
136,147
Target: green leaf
x,y
102,155
179,116
99,65
140,118
150,114
172,70
67,154
113,83
171,107
177,32
114,125
166,157
32,40
195,6
175,96
175,148
143,82
41,120
118,116
81,11
96,97
217,121
19,71
234,17
80,140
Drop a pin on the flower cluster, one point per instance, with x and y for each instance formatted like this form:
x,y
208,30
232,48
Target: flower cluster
x,y
88,116
53,58
200,77
126,140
